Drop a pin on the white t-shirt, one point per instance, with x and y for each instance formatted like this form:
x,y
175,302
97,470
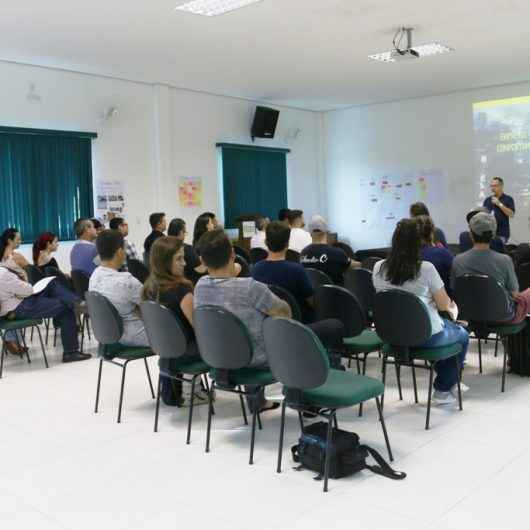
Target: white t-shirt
x,y
424,286
258,240
299,239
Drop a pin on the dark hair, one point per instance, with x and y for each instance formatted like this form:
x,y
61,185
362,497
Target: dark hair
x,y
155,219
292,215
108,243
404,260
97,223
261,223
425,228
41,243
200,228
498,179
486,237
277,236
419,208
116,222
161,277
81,225
215,249
176,227
474,212
7,235
282,214
211,215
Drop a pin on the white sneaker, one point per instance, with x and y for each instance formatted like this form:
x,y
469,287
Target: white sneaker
x,y
454,389
199,398
443,398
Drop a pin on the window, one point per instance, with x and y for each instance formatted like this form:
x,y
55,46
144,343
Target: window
x,y
254,181
45,181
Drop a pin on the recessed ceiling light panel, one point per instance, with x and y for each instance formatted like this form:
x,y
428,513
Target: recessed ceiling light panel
x,y
212,8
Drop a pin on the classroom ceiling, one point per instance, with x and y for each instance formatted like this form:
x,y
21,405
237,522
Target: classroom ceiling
x,y
310,54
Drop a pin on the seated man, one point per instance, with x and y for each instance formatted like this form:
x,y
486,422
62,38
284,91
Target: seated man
x,y
158,225
119,223
276,270
482,260
324,257
84,255
299,237
466,243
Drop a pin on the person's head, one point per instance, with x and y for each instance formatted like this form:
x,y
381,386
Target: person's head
x,y
295,218
404,260
318,229
261,223
474,212
282,214
119,223
110,246
46,242
497,186
203,224
483,228
215,250
277,236
177,228
425,229
84,229
419,208
9,241
166,266
211,215
98,225
158,221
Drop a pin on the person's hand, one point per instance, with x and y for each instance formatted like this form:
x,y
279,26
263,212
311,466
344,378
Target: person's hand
x,y
20,260
495,201
237,269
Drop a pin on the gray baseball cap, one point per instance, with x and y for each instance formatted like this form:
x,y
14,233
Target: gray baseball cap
x,y
317,224
482,222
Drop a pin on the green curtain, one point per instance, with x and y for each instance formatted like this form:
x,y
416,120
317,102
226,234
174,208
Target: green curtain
x,y
254,181
45,183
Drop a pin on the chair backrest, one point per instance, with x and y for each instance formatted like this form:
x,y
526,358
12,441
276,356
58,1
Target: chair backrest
x,y
332,301
401,318
245,267
222,337
292,255
318,278
164,331
106,322
345,248
80,281
523,275
257,254
481,298
369,262
34,274
286,296
138,270
360,283
240,251
296,357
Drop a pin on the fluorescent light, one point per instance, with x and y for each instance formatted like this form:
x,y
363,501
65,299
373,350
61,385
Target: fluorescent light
x,y
433,48
423,50
212,8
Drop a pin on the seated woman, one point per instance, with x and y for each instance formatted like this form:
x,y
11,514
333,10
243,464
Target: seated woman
x,y
203,224
405,270
168,286
43,248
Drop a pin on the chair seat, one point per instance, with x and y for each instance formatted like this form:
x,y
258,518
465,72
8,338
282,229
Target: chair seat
x,y
248,376
8,325
193,367
343,389
429,354
127,353
504,329
368,341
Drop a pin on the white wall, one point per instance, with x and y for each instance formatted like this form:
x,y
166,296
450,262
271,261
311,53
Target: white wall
x,y
159,134
434,132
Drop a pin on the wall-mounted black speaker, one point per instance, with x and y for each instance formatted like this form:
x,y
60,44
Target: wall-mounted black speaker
x,y
264,124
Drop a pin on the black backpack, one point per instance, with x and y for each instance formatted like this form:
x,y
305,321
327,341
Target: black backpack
x,y
347,455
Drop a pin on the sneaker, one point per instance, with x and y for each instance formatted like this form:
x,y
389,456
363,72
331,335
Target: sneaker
x,y
454,389
74,357
443,398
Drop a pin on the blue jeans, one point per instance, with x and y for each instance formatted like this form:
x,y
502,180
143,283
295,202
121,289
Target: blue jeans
x,y
446,371
56,302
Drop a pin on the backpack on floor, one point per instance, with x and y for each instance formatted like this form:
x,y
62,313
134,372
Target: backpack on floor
x,y
347,455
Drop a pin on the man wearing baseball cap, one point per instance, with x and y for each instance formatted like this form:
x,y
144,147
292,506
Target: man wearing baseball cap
x,y
320,255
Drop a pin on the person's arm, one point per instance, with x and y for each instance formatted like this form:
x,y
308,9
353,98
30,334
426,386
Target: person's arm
x,y
442,300
507,209
355,264
134,289
17,287
186,305
265,301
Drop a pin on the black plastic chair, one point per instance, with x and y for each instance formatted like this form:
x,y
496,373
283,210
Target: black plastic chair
x,y
257,254
292,255
403,323
168,341
286,296
360,283
482,301
523,275
245,268
138,270
240,251
299,361
369,262
226,347
108,330
318,278
80,283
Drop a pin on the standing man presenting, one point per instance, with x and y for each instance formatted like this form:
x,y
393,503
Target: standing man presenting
x,y
502,206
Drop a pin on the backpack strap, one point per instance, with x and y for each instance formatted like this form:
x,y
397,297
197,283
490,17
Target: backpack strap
x,y
383,468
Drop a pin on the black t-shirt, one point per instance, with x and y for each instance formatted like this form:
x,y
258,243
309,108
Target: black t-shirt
x,y
151,238
192,262
522,254
331,260
172,300
503,221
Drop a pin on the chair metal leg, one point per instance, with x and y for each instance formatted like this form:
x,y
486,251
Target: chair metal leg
x,y
459,381
253,436
335,422
382,420
190,415
384,381
431,370
2,358
42,348
301,420
88,327
47,326
157,408
357,362
328,445
98,385
480,355
243,409
260,426
149,378
398,377
83,320
414,383
280,443
23,336
496,344
124,369
54,336
209,428
504,369
364,361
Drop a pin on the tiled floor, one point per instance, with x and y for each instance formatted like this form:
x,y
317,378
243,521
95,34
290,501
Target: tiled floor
x,y
63,467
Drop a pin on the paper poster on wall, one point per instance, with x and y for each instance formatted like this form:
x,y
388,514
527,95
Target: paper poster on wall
x,y
190,191
249,229
110,199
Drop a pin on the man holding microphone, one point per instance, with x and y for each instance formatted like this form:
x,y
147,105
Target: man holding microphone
x,y
502,206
